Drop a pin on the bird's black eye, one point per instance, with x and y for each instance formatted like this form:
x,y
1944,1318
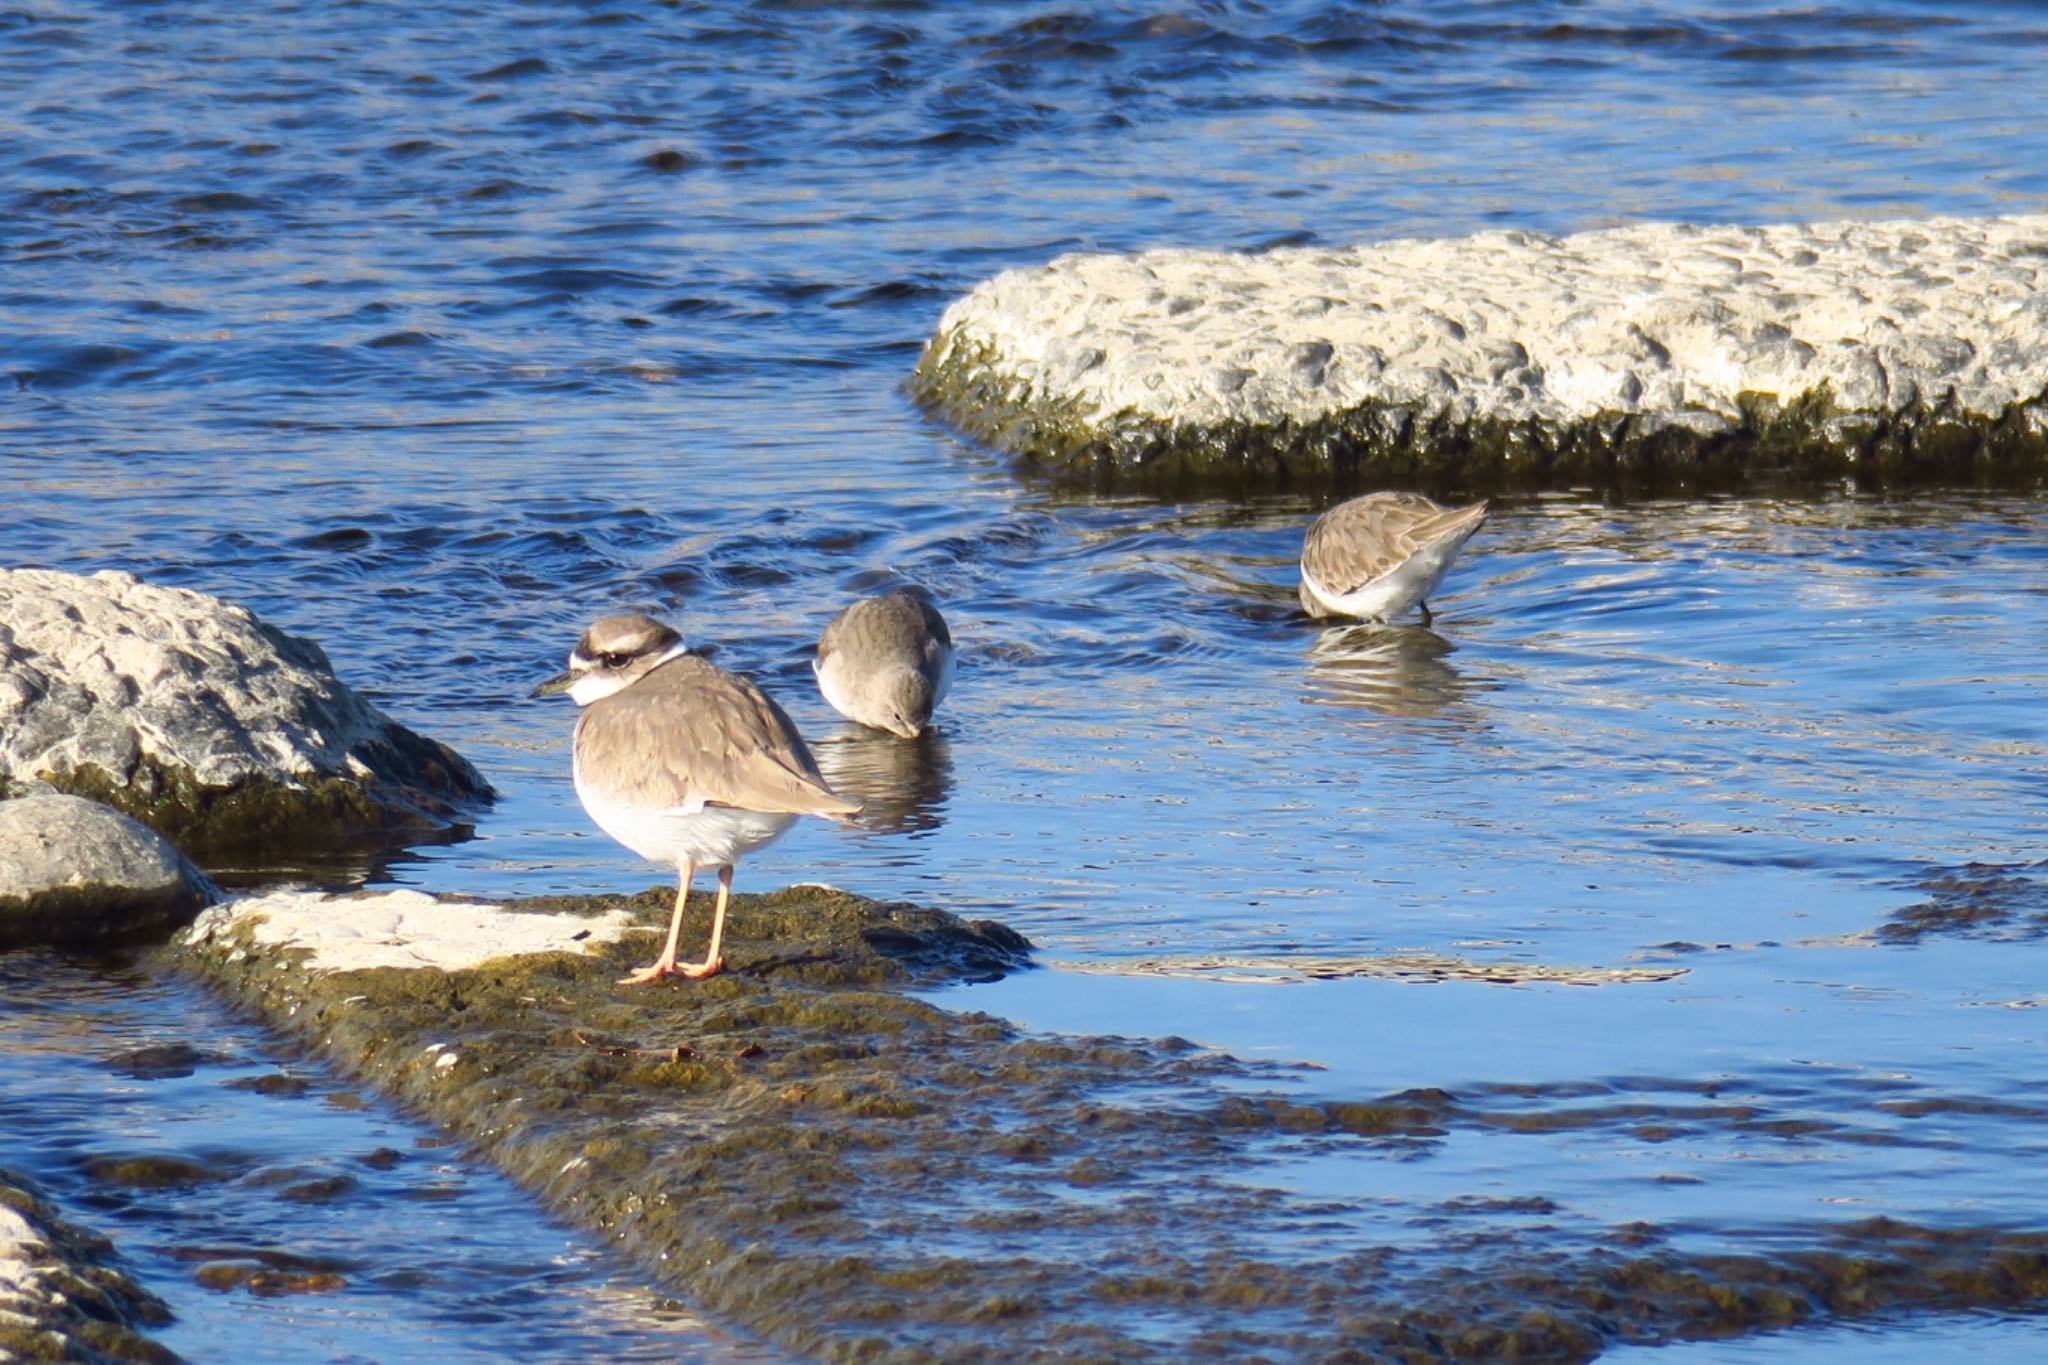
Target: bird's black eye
x,y
614,660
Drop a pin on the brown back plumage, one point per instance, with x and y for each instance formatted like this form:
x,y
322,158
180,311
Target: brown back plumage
x,y
690,733
1369,537
898,625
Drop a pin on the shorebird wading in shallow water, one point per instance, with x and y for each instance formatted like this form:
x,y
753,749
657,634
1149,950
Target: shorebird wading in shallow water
x,y
1376,556
886,662
684,763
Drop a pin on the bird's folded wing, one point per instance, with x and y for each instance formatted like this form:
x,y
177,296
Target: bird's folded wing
x,y
1357,543
706,737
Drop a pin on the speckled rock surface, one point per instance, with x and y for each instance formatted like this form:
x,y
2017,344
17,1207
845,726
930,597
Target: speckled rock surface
x,y
60,1298
804,1146
402,929
210,726
78,873
1654,352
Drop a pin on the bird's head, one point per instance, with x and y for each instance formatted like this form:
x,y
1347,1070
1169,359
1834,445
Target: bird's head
x,y
615,653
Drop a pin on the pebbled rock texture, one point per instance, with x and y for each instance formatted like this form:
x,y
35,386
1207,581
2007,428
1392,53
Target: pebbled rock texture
x,y
78,873
1658,353
217,730
60,1298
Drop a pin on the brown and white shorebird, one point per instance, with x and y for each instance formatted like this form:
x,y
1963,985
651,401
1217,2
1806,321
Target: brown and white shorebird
x,y
886,662
1378,555
684,763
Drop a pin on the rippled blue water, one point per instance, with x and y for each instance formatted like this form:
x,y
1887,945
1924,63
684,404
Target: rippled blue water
x,y
432,332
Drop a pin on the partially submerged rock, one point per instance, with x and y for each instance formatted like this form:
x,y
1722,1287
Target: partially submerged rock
x,y
856,1174
1653,354
61,1297
214,728
75,872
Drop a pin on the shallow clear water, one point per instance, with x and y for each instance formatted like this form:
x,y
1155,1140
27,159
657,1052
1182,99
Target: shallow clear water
x,y
382,1242
433,333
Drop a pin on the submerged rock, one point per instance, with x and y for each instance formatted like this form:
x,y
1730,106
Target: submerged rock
x,y
802,1146
217,730
78,873
1655,354
60,1296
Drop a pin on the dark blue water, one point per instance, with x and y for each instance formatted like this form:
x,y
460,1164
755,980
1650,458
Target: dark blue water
x,y
433,332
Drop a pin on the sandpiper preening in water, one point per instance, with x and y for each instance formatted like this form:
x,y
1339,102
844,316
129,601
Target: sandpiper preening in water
x,y
886,661
684,763
1378,555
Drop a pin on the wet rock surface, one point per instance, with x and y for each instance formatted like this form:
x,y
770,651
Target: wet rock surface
x,y
1654,355
78,873
802,1147
207,724
2005,902
61,1298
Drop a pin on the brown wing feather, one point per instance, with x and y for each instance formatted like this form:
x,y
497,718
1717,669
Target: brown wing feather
x,y
691,732
901,623
1366,538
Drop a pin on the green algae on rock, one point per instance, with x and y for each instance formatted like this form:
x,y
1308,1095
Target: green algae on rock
x,y
1648,357
61,1298
855,1173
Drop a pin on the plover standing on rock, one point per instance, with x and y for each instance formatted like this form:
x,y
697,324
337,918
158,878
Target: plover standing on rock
x,y
1378,555
684,763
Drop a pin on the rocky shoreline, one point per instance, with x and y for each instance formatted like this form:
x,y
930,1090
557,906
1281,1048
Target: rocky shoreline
x,y
62,1297
807,1149
227,736
1652,357
147,733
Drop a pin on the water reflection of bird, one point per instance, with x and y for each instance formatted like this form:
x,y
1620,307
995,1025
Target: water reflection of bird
x,y
1397,670
886,661
1378,555
684,763
902,787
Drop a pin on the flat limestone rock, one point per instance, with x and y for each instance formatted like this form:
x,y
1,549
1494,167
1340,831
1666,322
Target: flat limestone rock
x,y
212,727
403,929
78,873
1656,352
60,1298
811,1146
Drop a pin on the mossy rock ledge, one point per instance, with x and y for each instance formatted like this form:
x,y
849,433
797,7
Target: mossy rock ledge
x,y
219,731
805,1147
1654,357
62,1295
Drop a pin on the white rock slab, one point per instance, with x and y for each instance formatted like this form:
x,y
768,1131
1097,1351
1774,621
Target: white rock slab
x,y
404,929
76,872
19,1242
1668,323
150,687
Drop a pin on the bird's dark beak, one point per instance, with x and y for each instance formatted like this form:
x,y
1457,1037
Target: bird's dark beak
x,y
559,683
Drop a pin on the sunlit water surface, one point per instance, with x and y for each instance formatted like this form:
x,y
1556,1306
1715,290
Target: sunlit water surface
x,y
431,334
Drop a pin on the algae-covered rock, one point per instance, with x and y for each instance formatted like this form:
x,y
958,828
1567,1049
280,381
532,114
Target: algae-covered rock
x,y
1650,355
802,1147
215,729
61,1297
75,872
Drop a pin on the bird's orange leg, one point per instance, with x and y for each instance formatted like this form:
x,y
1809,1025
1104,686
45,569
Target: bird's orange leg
x,y
713,961
665,965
